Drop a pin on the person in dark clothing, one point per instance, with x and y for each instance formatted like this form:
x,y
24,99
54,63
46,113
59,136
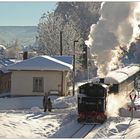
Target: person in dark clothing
x,y
45,102
49,105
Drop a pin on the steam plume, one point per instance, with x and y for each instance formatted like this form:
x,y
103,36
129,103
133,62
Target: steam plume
x,y
114,103
118,26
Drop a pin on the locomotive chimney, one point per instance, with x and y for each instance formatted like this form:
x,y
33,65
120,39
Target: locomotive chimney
x,y
101,80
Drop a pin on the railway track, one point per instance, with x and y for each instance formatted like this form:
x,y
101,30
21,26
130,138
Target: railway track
x,y
83,131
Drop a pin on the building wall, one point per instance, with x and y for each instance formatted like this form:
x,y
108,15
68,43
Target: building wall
x,y
22,82
5,82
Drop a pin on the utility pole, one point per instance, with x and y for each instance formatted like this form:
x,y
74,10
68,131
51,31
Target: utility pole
x,y
74,66
85,56
61,47
61,53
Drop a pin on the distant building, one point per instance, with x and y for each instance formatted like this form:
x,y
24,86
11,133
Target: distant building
x,y
5,75
40,74
2,51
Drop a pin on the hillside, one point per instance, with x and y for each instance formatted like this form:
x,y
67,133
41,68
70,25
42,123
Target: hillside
x,y
25,34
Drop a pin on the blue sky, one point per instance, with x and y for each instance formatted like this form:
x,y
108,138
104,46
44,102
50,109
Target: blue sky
x,y
23,13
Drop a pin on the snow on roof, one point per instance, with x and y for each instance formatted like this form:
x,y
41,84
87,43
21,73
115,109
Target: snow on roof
x,y
64,58
3,63
6,61
41,63
122,74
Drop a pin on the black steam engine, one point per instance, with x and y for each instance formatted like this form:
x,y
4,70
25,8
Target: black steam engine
x,y
92,102
92,95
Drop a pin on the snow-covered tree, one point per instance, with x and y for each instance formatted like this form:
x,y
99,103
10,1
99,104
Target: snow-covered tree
x,y
13,49
48,40
3,51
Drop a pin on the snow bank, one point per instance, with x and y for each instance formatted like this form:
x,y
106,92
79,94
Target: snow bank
x,y
20,102
35,101
33,122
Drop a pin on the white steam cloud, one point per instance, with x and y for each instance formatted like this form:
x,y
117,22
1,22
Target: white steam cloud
x,y
114,103
117,26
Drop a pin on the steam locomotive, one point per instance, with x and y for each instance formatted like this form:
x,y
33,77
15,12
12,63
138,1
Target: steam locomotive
x,y
92,95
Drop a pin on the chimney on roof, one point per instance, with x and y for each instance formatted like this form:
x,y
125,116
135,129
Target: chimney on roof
x,y
25,53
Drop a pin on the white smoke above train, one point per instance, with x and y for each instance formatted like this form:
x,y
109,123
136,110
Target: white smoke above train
x,y
111,38
117,27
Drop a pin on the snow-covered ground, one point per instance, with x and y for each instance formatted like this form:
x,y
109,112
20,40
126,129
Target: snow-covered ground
x,y
23,117
19,120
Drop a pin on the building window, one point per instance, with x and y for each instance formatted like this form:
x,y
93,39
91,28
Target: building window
x,y
38,84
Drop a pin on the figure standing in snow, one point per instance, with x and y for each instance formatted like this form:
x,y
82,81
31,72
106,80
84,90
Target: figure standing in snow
x,y
49,105
45,102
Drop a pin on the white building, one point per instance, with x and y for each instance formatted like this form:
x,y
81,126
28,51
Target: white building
x,y
40,74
